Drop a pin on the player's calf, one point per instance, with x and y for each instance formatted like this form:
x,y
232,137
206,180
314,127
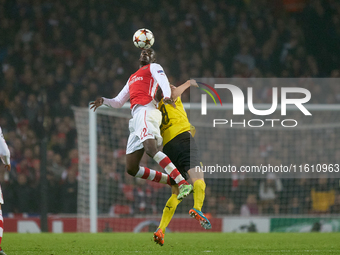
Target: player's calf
x,y
164,161
132,171
152,175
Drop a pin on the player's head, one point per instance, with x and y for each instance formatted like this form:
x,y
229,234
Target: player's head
x,y
147,56
159,95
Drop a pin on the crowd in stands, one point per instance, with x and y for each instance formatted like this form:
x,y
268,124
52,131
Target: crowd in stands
x,y
59,54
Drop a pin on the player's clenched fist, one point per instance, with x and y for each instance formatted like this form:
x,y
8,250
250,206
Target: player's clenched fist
x,y
97,103
193,83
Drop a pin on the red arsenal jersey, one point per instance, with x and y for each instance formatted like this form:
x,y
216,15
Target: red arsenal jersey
x,y
141,87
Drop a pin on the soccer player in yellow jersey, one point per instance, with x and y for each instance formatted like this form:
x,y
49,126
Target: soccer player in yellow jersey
x,y
180,146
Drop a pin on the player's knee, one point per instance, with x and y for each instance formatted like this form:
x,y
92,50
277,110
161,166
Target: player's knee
x,y
131,171
150,147
195,175
151,151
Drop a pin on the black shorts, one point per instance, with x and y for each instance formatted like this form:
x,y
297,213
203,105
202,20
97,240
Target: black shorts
x,y
183,152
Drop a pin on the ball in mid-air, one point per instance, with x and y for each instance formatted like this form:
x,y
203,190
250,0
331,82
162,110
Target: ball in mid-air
x,y
143,38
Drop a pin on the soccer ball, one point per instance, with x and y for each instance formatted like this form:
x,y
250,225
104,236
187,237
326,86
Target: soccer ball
x,y
143,38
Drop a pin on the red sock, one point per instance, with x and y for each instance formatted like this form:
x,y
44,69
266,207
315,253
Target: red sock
x,y
164,161
152,175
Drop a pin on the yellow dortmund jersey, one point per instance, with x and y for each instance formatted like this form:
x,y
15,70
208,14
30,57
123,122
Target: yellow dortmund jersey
x,y
174,120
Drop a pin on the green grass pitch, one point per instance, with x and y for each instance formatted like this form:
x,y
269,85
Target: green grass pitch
x,y
175,243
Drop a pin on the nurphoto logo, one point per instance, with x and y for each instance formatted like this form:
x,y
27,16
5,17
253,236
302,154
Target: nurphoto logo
x,y
238,99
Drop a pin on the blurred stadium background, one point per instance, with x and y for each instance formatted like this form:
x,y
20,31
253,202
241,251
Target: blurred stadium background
x,y
58,55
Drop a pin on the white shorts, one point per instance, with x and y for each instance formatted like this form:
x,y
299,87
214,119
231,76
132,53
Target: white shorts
x,y
1,197
144,125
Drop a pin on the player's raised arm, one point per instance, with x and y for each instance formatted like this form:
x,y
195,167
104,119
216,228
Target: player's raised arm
x,y
5,154
178,91
159,75
116,102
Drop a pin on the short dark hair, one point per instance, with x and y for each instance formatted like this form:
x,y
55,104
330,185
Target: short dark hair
x,y
159,95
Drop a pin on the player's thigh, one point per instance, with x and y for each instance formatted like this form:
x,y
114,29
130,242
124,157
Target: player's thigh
x,y
188,157
147,124
195,171
178,150
133,160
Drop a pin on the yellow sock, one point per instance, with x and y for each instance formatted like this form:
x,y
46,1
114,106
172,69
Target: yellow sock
x,y
199,194
168,212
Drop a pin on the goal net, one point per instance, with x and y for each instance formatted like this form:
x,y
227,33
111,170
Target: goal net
x,y
109,200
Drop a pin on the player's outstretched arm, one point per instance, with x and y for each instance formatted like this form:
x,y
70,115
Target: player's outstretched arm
x,y
178,91
116,102
5,154
97,103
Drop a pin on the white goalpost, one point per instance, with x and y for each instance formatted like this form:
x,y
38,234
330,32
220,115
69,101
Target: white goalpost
x,y
106,192
93,163
93,170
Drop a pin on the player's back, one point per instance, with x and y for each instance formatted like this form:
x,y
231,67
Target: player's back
x,y
174,120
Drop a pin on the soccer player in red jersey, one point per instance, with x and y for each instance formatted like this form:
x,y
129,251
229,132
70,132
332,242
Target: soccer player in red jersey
x,y
146,119
5,158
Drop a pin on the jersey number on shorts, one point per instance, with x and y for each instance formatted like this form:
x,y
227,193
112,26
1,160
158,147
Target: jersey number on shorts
x,y
165,116
143,134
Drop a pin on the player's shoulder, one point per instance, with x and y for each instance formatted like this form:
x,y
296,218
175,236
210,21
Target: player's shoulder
x,y
179,103
156,67
179,100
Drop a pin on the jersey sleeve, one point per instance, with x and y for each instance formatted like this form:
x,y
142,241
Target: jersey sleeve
x,y
5,154
158,74
120,99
